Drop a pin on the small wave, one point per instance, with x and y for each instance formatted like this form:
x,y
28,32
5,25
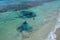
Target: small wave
x,y
52,35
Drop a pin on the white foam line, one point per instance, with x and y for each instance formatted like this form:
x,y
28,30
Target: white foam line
x,y
52,35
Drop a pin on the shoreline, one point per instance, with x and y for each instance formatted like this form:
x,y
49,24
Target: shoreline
x,y
42,33
57,29
54,34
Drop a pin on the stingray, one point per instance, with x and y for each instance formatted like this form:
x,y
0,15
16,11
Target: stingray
x,y
26,14
24,27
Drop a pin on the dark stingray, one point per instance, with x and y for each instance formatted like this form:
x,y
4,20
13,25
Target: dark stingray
x,y
24,27
26,14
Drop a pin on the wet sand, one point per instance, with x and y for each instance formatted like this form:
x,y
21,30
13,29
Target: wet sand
x,y
58,34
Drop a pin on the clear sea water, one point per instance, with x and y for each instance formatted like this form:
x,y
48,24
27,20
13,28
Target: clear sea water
x,y
8,22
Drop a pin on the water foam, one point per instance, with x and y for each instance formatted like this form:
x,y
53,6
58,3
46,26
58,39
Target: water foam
x,y
52,35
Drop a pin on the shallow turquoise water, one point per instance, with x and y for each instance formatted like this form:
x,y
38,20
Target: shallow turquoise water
x,y
8,22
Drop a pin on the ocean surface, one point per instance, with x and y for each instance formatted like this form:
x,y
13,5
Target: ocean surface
x,y
9,22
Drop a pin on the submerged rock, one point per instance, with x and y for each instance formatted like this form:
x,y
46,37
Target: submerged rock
x,y
24,27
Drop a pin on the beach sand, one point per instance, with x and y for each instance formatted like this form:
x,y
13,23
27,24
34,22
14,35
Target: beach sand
x,y
58,34
57,31
42,33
